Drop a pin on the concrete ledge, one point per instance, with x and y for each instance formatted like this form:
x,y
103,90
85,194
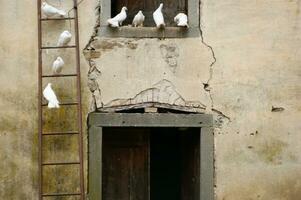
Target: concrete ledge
x,y
148,32
149,120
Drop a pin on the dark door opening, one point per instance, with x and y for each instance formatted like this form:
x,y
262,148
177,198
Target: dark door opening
x,y
151,164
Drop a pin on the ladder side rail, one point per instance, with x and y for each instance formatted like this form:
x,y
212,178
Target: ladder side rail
x,y
79,118
40,112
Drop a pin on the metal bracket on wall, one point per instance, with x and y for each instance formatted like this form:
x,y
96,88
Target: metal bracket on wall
x,y
77,103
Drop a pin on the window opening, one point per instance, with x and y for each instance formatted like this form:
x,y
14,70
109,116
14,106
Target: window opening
x,y
170,9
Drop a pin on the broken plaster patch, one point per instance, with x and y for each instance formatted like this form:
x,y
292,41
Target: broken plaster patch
x,y
93,74
170,53
163,92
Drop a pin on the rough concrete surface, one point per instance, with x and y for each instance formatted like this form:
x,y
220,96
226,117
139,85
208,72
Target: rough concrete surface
x,y
245,70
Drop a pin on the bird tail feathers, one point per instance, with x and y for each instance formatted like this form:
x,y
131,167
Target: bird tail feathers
x,y
161,26
53,105
183,25
112,23
62,13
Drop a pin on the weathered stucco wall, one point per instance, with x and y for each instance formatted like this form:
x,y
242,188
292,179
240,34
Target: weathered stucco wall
x,y
256,46
245,71
18,94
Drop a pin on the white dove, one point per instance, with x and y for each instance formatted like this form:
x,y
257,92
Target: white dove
x,y
50,96
158,17
64,38
182,20
138,19
50,11
57,65
118,19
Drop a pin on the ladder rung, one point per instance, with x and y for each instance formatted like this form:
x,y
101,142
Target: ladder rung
x,y
63,104
58,75
61,163
59,47
60,194
60,133
59,19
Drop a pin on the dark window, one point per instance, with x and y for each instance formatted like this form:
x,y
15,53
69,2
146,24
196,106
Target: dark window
x,y
170,9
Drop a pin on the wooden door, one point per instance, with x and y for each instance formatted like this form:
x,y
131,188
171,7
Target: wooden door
x,y
125,164
190,163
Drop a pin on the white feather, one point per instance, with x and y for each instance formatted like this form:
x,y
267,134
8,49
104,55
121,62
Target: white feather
x,y
57,65
50,11
64,38
158,17
138,19
118,19
182,20
50,96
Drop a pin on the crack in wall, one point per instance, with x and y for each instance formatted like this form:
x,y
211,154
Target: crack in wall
x,y
206,85
221,117
96,27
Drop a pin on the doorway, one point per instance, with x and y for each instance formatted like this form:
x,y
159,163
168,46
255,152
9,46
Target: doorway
x,y
151,163
134,139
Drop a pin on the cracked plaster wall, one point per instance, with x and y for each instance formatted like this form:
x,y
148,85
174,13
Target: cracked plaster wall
x,y
246,70
257,49
257,46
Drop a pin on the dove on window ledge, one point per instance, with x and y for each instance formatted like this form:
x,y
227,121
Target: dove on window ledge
x,y
138,19
182,20
118,19
64,38
158,17
50,96
50,11
57,65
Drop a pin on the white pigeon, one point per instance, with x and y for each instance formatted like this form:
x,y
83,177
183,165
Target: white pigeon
x,y
64,38
182,20
50,11
158,17
138,19
50,96
57,65
118,19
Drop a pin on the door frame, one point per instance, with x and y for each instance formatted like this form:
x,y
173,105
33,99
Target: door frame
x,y
96,121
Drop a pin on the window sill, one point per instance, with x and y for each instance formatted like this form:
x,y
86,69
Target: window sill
x,y
148,32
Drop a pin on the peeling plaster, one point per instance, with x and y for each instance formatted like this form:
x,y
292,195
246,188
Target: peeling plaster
x,y
93,85
163,92
170,53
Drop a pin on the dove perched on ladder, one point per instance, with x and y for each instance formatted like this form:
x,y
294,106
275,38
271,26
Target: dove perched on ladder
x,y
57,65
118,19
182,20
138,19
50,11
50,96
64,38
158,17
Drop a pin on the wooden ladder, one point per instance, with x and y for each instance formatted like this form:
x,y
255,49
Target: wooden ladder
x,y
77,103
